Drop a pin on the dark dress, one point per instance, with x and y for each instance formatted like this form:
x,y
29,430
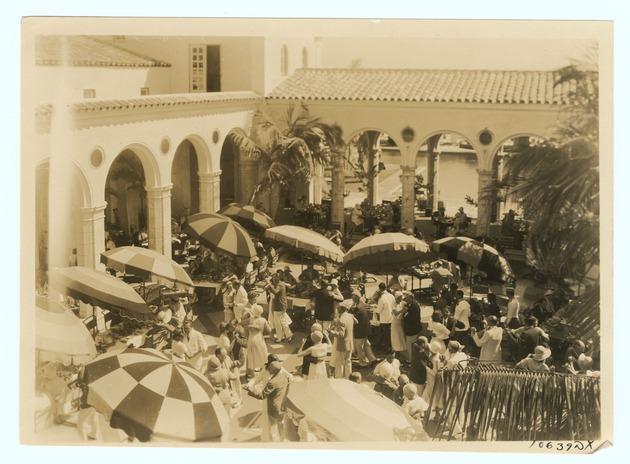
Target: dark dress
x,y
492,309
419,361
324,304
411,320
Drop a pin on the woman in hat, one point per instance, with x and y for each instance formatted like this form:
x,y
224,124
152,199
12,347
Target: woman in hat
x,y
535,362
318,350
257,351
399,341
219,378
456,358
178,347
436,363
439,330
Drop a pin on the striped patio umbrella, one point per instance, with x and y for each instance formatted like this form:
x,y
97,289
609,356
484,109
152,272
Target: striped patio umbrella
x,y
99,288
221,234
385,252
306,241
465,250
247,216
147,264
145,393
341,410
60,336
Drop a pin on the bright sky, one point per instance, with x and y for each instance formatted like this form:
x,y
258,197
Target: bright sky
x,y
444,53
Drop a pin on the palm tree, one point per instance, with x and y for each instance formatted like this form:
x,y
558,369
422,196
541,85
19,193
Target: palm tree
x,y
290,155
558,184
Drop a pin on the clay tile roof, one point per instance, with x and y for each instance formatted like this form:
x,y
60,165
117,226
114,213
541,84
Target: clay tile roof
x,y
416,85
87,51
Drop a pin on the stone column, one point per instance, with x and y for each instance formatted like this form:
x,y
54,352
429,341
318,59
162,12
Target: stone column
x,y
318,184
91,236
408,180
209,191
373,158
432,172
248,180
484,202
338,184
159,211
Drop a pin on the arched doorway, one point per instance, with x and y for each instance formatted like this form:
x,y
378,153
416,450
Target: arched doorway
x,y
185,180
372,180
447,165
125,194
230,182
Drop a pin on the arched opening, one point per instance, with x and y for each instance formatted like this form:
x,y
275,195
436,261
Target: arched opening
x,y
507,225
126,218
230,182
447,172
185,180
372,182
58,226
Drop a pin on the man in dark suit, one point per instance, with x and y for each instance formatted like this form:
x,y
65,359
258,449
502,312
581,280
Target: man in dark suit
x,y
275,392
411,321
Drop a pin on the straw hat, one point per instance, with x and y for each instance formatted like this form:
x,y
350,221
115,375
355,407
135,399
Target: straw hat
x,y
541,353
334,282
164,316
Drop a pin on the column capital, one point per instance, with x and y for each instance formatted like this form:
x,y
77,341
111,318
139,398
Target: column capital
x,y
209,176
408,170
162,191
89,212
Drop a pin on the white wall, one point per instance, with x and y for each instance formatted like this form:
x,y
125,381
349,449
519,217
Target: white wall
x,y
67,83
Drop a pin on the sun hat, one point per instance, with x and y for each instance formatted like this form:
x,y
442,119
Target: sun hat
x,y
455,345
334,282
549,292
317,336
410,391
164,316
541,353
398,294
214,363
435,347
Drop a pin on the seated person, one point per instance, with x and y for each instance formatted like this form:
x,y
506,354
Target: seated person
x,y
309,274
386,374
461,220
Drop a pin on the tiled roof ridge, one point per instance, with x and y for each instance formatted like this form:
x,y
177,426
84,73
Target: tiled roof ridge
x,y
528,87
158,63
429,70
152,101
52,56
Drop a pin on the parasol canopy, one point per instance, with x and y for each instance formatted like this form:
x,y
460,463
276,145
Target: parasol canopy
x,y
99,288
347,411
60,336
247,216
306,241
385,252
479,255
147,264
221,234
145,393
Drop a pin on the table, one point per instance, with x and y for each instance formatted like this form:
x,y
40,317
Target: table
x,y
209,290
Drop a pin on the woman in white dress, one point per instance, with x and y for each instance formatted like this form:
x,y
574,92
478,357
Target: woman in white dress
x,y
439,330
399,340
257,352
318,351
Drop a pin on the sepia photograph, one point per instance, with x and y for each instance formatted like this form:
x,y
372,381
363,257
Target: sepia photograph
x,y
343,234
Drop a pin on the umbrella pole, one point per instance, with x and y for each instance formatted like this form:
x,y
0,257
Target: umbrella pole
x,y
471,282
